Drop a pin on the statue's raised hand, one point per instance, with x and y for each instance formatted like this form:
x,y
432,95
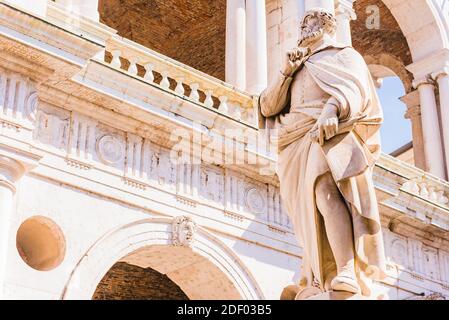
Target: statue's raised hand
x,y
293,60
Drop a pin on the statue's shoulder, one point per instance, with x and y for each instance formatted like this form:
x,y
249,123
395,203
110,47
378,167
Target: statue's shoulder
x,y
350,52
344,56
349,57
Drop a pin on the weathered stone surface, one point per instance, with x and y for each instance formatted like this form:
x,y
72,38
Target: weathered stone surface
x,y
107,208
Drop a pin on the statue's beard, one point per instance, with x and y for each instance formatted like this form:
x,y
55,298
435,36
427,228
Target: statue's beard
x,y
309,37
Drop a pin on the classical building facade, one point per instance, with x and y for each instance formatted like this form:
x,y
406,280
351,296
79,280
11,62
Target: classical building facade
x,y
96,98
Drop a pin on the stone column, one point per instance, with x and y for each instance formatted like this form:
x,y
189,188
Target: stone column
x,y
443,87
344,13
85,8
14,163
256,47
433,146
236,43
414,115
10,172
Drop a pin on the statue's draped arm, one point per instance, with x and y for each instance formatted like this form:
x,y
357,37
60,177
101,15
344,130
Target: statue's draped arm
x,y
274,99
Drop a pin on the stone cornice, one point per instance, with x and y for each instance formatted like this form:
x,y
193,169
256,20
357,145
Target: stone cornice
x,y
77,42
430,67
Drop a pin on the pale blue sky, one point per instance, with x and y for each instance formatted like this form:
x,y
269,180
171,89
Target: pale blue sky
x,y
396,130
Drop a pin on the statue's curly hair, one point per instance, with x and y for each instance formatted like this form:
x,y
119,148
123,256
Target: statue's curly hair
x,y
326,18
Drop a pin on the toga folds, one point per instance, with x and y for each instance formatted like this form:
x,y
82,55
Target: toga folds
x,y
339,75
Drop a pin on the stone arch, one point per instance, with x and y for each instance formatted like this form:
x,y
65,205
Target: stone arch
x,y
392,67
409,31
423,23
134,241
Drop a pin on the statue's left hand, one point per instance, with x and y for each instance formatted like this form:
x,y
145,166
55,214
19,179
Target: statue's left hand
x,y
327,125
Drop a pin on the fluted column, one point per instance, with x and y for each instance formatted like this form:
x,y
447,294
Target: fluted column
x,y
414,115
433,146
256,47
344,13
236,43
443,87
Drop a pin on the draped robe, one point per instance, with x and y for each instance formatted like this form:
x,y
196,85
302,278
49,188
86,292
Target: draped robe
x,y
339,73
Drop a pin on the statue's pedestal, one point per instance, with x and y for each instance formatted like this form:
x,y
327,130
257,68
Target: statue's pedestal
x,y
335,295
294,292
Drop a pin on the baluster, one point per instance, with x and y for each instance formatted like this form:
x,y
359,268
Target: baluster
x,y
248,117
165,83
179,87
149,76
415,188
132,69
442,199
116,63
194,95
238,113
209,102
432,194
424,192
223,104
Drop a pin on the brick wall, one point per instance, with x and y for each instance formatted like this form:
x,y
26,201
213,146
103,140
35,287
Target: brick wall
x,y
190,31
128,282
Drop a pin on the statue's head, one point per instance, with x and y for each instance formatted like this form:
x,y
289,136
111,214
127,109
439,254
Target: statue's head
x,y
317,24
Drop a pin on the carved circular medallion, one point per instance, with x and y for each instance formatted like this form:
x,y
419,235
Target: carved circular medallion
x,y
110,149
255,201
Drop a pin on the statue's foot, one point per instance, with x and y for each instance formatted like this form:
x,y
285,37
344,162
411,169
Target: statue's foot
x,y
345,281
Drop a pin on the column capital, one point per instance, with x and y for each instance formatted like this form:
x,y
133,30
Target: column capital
x,y
14,163
411,99
426,80
443,72
10,172
413,103
345,8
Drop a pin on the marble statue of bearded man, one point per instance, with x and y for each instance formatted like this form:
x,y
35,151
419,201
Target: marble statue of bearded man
x,y
325,108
